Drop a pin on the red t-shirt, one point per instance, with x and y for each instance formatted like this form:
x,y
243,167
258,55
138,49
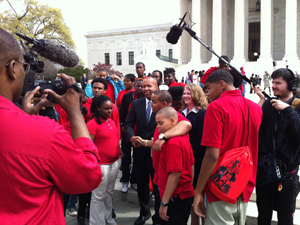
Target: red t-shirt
x,y
107,139
63,117
114,115
110,92
175,84
177,156
38,163
67,127
121,94
226,127
156,155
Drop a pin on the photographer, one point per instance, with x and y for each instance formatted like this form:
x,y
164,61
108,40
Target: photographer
x,y
280,119
38,157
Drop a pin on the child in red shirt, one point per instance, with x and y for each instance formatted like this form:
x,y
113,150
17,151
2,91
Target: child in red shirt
x,y
174,172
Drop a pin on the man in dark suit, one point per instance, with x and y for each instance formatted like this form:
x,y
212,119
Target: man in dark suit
x,y
83,81
141,115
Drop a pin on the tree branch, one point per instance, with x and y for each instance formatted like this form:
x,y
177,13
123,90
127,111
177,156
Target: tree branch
x,y
13,9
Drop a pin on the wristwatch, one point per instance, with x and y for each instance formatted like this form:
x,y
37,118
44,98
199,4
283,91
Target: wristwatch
x,y
162,137
75,86
162,204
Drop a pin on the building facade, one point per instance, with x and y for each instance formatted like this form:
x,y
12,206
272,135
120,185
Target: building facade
x,y
120,47
252,33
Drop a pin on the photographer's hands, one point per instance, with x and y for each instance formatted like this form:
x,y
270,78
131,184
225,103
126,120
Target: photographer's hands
x,y
28,105
70,102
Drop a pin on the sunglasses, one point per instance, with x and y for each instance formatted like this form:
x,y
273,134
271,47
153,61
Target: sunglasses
x,y
26,65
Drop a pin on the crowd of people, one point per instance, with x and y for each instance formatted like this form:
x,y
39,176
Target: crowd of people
x,y
170,135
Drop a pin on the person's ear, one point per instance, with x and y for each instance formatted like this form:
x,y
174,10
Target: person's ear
x,y
173,121
11,70
164,104
104,91
222,84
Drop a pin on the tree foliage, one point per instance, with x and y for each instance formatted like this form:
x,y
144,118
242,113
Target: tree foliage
x,y
76,72
108,68
37,21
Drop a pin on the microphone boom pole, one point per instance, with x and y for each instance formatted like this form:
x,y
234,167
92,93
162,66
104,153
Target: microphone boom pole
x,y
193,35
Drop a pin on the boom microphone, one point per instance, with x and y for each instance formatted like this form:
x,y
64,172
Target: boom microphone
x,y
175,32
52,51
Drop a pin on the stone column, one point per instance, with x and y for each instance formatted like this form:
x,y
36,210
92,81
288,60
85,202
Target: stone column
x,y
216,30
196,17
291,33
176,15
240,28
266,41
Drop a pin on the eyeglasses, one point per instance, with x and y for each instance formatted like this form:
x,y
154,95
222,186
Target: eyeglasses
x,y
26,65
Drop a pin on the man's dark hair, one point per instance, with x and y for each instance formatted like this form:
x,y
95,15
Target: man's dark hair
x,y
196,72
286,74
164,96
98,102
176,92
100,80
169,71
83,110
131,77
101,69
219,75
9,48
141,63
192,70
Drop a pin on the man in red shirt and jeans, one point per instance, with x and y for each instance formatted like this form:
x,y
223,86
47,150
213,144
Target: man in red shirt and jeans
x,y
226,127
39,158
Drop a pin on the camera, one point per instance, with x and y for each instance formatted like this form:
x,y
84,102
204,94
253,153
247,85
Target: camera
x,y
58,85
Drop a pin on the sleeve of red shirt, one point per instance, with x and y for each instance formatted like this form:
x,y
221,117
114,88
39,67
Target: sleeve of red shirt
x,y
181,117
213,127
115,117
207,73
73,162
119,98
174,158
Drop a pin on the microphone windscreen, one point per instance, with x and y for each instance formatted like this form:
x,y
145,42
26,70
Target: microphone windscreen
x,y
174,34
59,54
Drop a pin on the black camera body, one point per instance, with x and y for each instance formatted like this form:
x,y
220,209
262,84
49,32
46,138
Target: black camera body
x,y
58,85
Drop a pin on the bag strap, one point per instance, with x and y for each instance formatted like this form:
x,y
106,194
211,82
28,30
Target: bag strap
x,y
295,103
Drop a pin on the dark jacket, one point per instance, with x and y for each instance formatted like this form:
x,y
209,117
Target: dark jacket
x,y
137,115
126,100
272,122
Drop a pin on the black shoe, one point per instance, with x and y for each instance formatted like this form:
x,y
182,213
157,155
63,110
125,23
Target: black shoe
x,y
141,220
113,214
81,220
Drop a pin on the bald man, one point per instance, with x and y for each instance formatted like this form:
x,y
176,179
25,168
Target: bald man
x,y
141,114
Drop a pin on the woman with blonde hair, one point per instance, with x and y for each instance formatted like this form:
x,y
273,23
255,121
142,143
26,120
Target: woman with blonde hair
x,y
194,107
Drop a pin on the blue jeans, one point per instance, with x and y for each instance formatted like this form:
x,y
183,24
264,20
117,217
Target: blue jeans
x,y
72,201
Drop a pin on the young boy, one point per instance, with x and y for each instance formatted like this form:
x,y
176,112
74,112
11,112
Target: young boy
x,y
174,172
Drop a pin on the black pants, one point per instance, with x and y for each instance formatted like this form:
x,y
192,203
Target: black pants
x,y
178,211
284,201
145,169
126,161
84,205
